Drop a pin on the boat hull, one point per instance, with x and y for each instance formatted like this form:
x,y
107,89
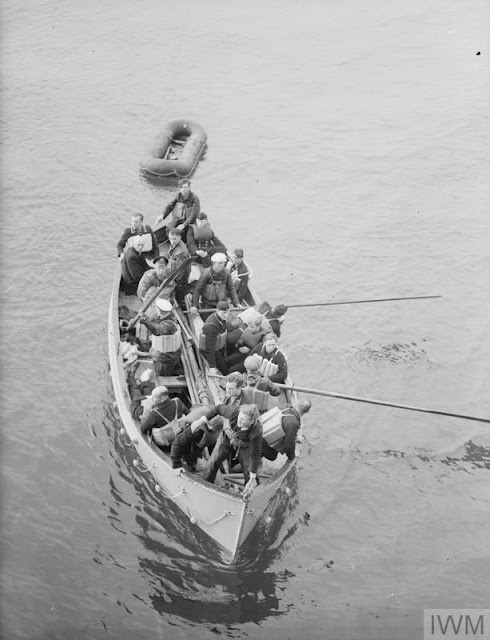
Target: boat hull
x,y
223,515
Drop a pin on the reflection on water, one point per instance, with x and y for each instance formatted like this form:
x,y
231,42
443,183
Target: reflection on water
x,y
184,569
471,456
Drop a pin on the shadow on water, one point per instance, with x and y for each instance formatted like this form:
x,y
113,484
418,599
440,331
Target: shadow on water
x,y
184,570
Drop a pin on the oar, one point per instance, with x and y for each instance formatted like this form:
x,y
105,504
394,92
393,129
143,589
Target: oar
x,y
330,394
328,304
173,275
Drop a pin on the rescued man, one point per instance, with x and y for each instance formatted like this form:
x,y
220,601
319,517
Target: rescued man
x,y
166,340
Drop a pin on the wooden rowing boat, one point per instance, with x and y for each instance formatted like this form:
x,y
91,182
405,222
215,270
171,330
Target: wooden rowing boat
x,y
217,509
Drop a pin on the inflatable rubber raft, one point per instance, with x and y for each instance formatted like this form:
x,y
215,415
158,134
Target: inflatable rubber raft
x,y
176,150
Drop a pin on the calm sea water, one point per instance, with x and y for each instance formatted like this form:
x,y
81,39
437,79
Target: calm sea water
x,y
348,156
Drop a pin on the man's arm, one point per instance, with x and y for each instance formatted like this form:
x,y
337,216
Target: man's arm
x,y
290,426
230,287
122,242
191,211
198,289
170,207
282,372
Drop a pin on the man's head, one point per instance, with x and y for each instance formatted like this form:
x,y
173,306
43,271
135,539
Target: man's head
x,y
248,415
303,406
164,307
139,243
174,236
185,188
161,265
136,221
202,219
237,257
234,384
279,310
219,261
159,394
223,310
270,342
252,366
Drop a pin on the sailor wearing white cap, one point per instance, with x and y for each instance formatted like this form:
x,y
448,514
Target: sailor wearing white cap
x,y
214,285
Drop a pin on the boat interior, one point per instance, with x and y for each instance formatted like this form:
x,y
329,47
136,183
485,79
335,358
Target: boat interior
x,y
196,390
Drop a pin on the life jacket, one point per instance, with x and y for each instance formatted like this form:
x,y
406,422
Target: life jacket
x,y
252,395
215,291
164,436
272,427
146,237
202,236
268,368
221,338
167,343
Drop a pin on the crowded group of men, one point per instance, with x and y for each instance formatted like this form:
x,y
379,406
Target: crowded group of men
x,y
242,348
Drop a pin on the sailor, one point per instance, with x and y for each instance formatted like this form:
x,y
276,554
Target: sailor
x,y
241,437
133,266
166,341
184,209
239,272
258,390
137,228
177,254
212,340
189,444
214,285
281,431
275,316
163,410
274,365
202,241
153,279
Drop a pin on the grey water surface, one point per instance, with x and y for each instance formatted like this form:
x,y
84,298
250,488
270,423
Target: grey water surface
x,y
348,156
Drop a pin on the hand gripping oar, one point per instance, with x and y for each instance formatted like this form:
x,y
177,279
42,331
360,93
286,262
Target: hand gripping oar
x,y
330,394
173,275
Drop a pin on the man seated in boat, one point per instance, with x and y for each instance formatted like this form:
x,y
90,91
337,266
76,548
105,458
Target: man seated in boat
x,y
281,430
137,228
248,335
275,317
166,341
241,437
163,412
239,272
183,209
258,389
202,241
212,341
274,364
177,254
153,279
133,266
214,285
